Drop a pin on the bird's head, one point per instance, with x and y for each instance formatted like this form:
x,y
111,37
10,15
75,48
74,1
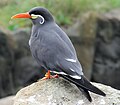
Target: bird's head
x,y
38,15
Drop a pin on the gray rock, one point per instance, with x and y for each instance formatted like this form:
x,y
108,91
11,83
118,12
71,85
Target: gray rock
x,y
106,63
61,92
6,64
27,71
21,37
7,100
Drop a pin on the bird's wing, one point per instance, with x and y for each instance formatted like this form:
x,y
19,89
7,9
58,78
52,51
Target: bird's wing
x,y
58,56
64,37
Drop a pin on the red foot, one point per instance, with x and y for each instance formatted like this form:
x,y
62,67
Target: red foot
x,y
55,76
48,76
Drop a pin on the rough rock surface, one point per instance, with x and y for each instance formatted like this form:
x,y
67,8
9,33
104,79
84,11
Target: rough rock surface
x,y
21,37
6,64
27,66
7,100
106,63
61,92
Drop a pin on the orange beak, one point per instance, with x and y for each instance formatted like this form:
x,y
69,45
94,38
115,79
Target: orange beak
x,y
21,15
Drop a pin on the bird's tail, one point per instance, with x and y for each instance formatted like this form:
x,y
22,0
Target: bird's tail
x,y
84,85
85,92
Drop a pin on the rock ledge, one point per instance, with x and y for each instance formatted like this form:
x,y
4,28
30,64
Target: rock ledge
x,y
61,92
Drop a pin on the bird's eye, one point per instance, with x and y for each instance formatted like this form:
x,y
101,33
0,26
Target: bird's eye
x,y
42,20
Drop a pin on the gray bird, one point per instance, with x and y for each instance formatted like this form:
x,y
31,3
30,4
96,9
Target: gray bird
x,y
53,50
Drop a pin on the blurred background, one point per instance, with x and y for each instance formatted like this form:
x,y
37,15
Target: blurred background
x,y
92,25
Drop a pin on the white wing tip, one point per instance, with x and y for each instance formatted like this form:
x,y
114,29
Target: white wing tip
x,y
75,76
70,60
62,73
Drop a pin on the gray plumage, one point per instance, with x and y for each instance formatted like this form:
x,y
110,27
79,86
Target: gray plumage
x,y
53,50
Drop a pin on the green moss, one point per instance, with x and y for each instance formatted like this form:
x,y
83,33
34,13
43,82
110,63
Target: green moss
x,y
65,11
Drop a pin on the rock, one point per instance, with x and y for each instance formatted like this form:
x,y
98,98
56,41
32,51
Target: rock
x,y
87,36
27,66
6,64
106,63
61,92
7,100
21,37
